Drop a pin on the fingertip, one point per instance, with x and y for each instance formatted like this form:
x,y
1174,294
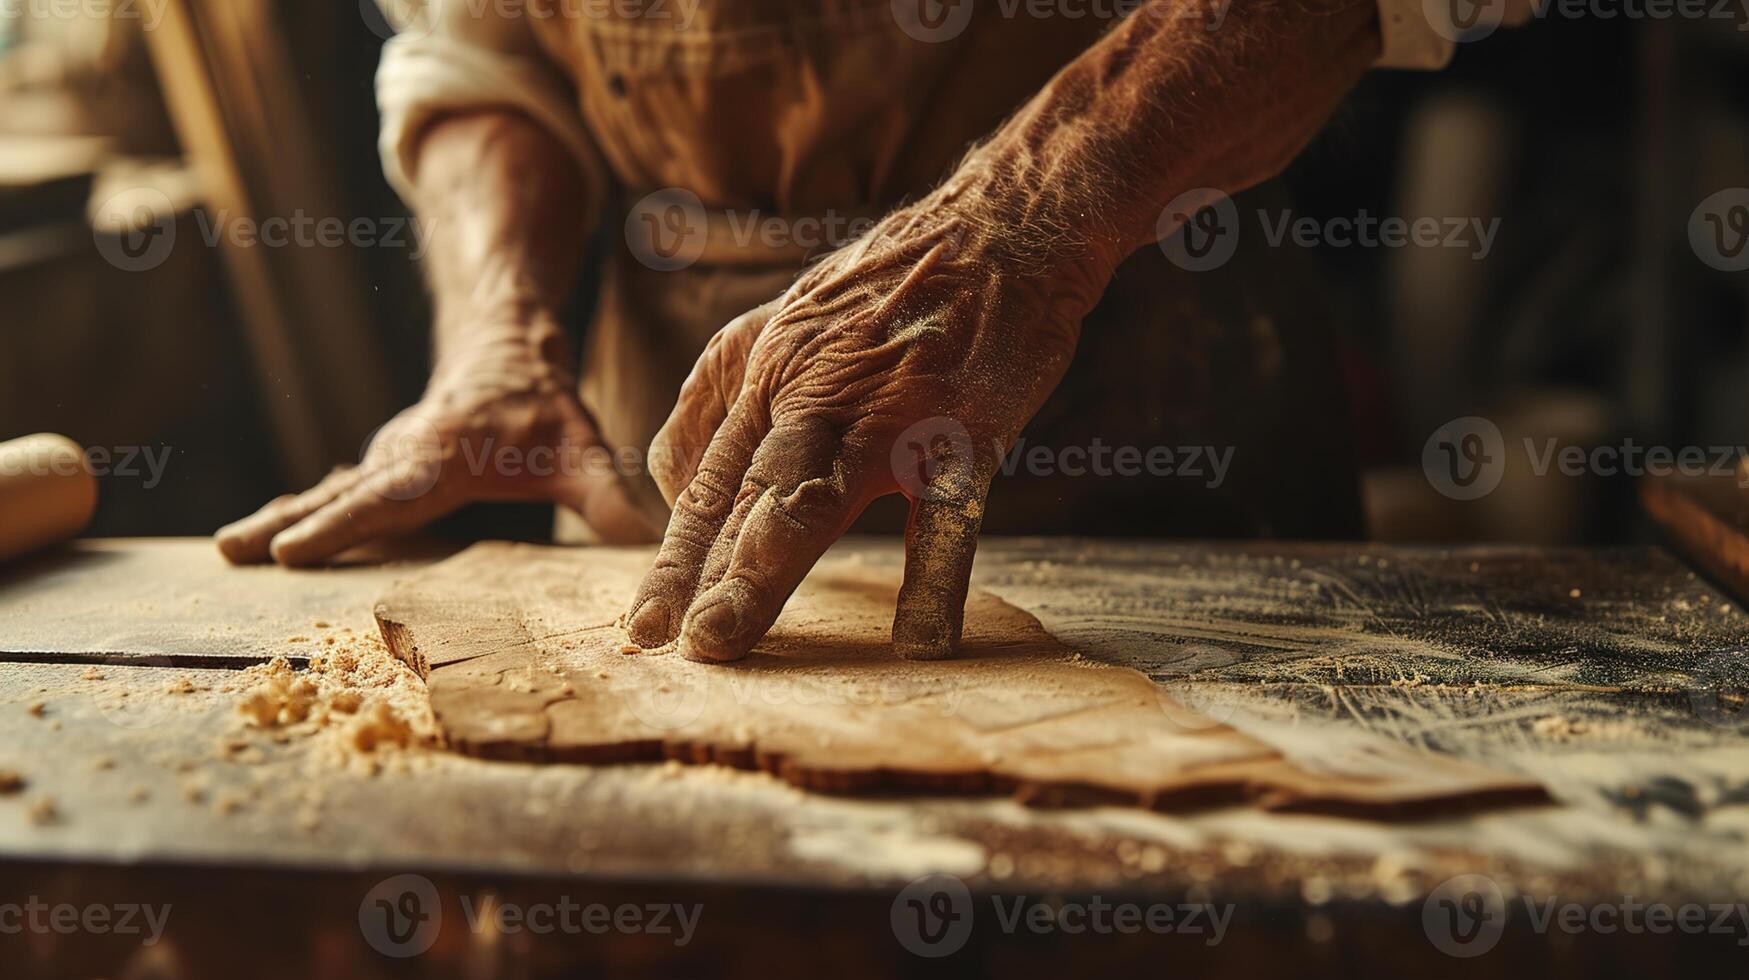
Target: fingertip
x,y
237,546
918,637
652,624
712,632
293,548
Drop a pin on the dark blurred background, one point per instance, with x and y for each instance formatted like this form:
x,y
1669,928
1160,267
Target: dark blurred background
x,y
258,368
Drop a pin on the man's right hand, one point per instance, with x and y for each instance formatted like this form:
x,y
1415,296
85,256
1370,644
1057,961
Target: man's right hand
x,y
499,421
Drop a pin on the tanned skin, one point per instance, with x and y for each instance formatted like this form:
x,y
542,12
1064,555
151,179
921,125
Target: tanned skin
x,y
965,307
499,197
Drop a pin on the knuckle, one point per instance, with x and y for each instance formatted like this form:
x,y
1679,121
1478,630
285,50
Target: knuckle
x,y
813,505
707,495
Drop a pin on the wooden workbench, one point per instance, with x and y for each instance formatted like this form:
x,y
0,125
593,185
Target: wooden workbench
x,y
1614,677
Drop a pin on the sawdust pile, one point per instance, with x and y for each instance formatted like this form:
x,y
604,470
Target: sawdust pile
x,y
355,700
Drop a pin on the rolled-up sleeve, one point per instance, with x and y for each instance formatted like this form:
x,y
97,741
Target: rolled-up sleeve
x,y
1412,41
453,56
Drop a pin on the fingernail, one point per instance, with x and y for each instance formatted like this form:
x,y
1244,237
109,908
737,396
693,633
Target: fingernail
x,y
652,624
708,632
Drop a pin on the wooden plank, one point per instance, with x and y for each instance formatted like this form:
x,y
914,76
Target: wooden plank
x,y
176,602
1652,789
524,661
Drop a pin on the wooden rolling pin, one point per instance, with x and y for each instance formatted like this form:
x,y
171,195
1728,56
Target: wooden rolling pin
x,y
47,493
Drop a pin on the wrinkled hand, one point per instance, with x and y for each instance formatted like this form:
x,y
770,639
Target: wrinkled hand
x,y
907,362
500,420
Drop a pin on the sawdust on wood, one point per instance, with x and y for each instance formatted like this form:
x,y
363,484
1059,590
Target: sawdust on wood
x,y
355,700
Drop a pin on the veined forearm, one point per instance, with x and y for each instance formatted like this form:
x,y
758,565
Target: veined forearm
x,y
1163,104
489,186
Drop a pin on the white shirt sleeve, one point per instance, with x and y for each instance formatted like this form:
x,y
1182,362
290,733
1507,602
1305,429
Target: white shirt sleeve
x,y
1411,40
446,58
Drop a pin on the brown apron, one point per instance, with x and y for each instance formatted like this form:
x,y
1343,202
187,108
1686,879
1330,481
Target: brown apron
x,y
828,109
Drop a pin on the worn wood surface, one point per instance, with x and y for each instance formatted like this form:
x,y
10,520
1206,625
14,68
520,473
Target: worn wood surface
x,y
178,603
524,660
1624,700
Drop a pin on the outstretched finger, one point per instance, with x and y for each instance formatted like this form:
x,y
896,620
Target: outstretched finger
x,y
941,541
693,527
806,486
247,541
380,504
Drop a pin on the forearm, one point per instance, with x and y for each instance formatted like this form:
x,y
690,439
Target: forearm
x,y
497,194
1162,105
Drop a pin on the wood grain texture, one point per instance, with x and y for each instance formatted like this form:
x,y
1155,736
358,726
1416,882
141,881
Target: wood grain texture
x,y
524,661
